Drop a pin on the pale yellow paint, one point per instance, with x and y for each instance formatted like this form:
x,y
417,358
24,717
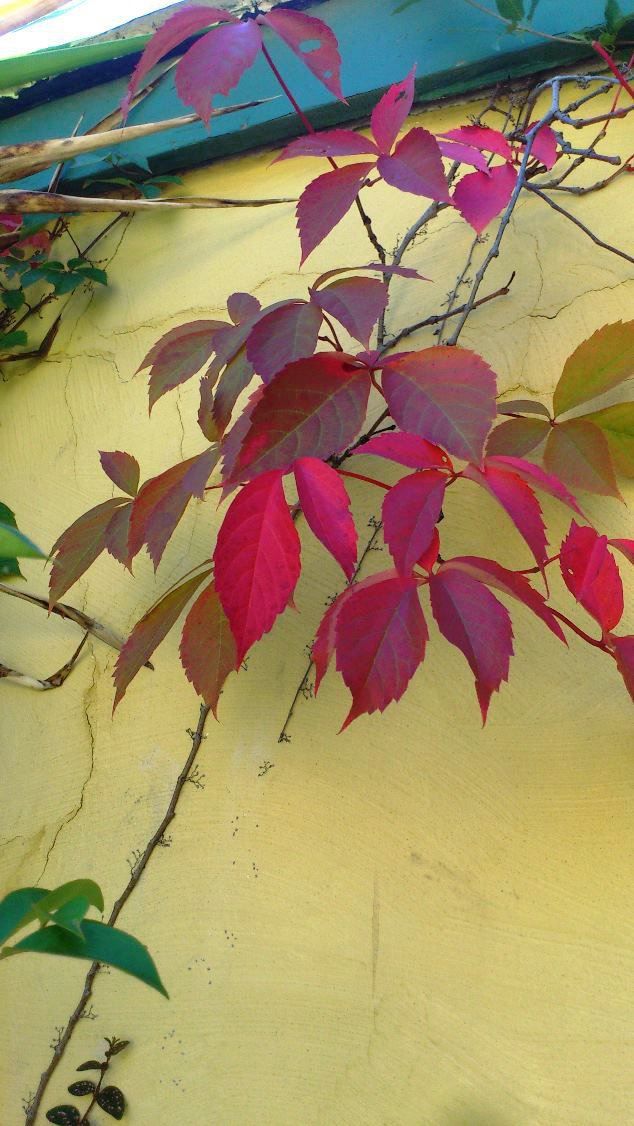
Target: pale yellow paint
x,y
415,923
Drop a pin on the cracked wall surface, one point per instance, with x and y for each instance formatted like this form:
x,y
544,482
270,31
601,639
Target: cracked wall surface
x,y
416,922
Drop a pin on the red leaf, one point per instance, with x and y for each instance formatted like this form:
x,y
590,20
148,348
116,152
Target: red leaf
x,y
464,155
416,166
446,395
591,575
624,651
206,419
380,267
325,201
473,620
242,307
381,636
479,137
479,197
325,639
175,30
330,142
626,547
313,408
257,560
208,650
536,476
79,546
326,506
357,303
406,449
518,500
216,63
162,501
490,573
313,42
234,380
429,558
410,513
150,631
517,436
287,333
390,113
122,469
578,453
178,355
544,145
117,534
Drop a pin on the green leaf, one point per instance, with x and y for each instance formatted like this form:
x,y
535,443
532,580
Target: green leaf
x,y
613,16
617,423
8,563
15,545
15,907
71,914
94,273
12,339
100,944
596,366
65,1115
512,10
13,298
66,283
66,894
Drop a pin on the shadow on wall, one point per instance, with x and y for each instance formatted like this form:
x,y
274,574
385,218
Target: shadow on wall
x,y
471,1115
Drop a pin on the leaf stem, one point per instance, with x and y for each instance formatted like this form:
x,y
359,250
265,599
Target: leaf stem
x,y
362,477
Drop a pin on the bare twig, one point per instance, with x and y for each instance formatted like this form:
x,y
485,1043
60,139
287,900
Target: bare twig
x,y
577,222
55,680
440,318
135,876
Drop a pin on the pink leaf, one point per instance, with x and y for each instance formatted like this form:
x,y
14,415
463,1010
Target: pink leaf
x,y
464,155
518,500
117,534
429,558
544,145
390,113
473,620
312,408
242,307
122,469
517,436
357,303
490,573
626,547
479,137
623,648
234,380
207,649
379,267
406,449
326,506
416,166
578,453
329,142
178,355
162,501
325,201
232,441
287,333
150,631
411,510
313,42
591,575
446,395
381,636
175,30
79,546
536,476
479,197
257,560
325,639
216,63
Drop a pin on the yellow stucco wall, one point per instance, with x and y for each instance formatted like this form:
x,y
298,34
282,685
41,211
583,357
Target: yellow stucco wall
x,y
416,923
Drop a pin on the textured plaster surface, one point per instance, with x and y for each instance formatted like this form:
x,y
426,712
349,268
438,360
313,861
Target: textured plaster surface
x,y
416,923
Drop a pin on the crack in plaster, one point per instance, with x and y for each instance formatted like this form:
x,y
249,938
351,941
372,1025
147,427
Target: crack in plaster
x,y
91,742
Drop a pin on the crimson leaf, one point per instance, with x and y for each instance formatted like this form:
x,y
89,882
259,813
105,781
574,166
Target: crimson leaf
x,y
626,547
178,355
446,395
313,42
257,560
481,196
325,201
411,510
473,620
208,650
390,113
326,506
313,407
287,333
518,500
490,573
325,639
79,546
406,449
416,166
330,142
536,476
591,575
150,631
357,303
544,145
480,137
162,501
623,648
464,155
216,63
380,640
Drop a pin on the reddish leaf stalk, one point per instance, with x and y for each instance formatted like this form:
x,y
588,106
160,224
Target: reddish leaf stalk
x,y
362,477
609,61
598,644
